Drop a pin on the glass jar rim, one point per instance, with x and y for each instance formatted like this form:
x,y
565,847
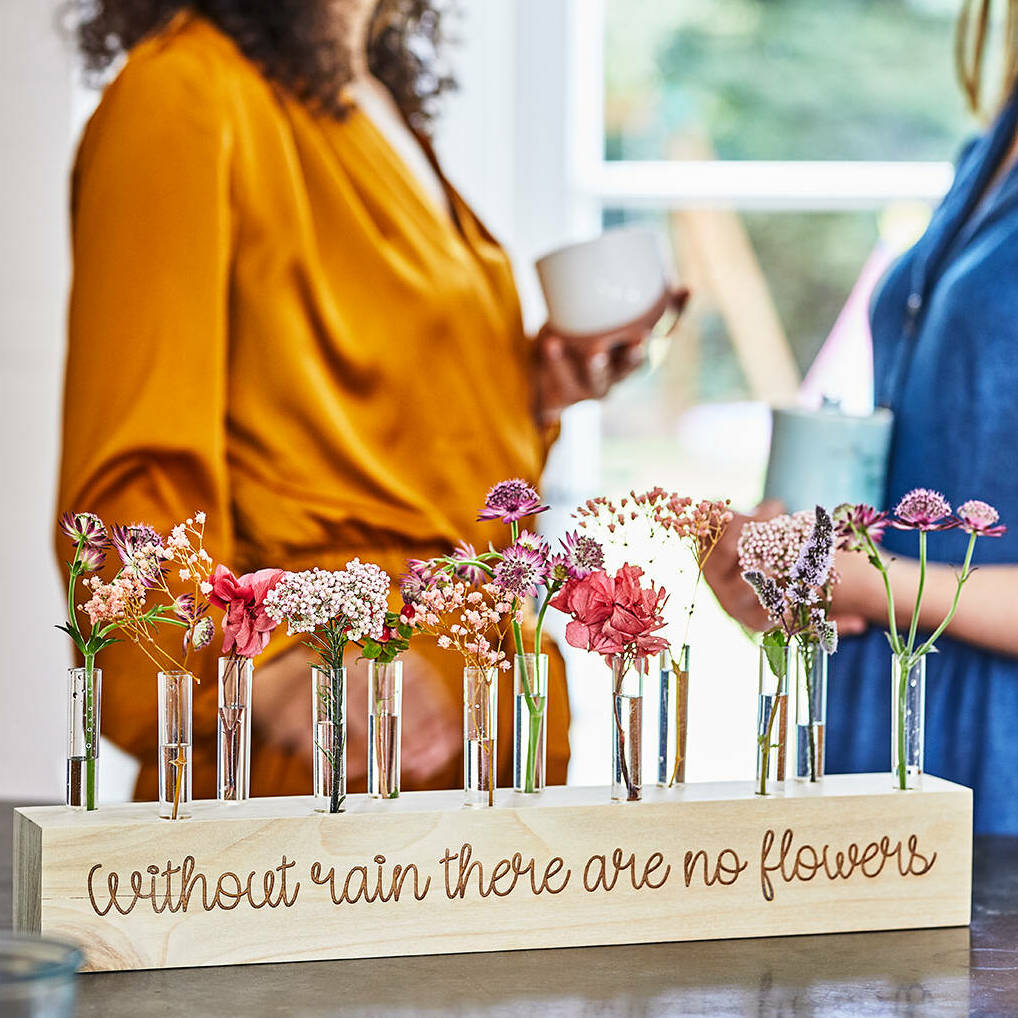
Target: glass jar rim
x,y
41,957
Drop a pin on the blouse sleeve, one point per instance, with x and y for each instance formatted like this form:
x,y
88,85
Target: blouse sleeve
x,y
145,391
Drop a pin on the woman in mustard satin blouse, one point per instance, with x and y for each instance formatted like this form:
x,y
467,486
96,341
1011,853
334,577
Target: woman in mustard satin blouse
x,y
284,315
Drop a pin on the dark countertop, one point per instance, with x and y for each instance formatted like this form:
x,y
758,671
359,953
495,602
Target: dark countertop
x,y
925,973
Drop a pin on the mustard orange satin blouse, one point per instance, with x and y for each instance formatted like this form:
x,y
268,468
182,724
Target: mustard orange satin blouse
x,y
270,321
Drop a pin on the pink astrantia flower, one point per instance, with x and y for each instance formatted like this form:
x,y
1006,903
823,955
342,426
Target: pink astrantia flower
x,y
247,626
520,570
581,555
853,521
510,501
923,509
981,518
464,553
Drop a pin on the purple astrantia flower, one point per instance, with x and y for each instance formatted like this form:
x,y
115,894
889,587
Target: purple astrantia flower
x,y
923,509
769,593
463,553
141,550
90,558
976,517
813,565
510,501
581,556
201,635
185,609
534,542
853,521
520,571
85,529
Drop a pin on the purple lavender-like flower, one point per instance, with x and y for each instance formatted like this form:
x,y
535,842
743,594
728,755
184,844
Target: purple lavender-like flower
x,y
923,509
582,555
510,501
463,553
977,517
826,630
854,521
85,529
768,592
520,571
813,565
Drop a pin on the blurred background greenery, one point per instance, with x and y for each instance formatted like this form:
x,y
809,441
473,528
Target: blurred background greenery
x,y
782,80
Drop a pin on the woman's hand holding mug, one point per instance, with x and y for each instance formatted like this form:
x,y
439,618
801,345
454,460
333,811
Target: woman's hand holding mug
x,y
605,297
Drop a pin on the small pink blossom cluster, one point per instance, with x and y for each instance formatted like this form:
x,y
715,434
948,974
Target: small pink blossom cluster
x,y
471,621
655,506
702,524
772,547
356,598
115,601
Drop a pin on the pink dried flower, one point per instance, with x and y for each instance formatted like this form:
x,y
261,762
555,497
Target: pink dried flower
x,y
247,626
613,615
981,518
356,598
510,501
923,509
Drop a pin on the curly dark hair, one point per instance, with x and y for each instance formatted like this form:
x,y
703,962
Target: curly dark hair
x,y
297,44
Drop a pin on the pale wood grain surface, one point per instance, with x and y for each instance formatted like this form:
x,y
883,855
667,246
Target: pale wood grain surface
x,y
574,825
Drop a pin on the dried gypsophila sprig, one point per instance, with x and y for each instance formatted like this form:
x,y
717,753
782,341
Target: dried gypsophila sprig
x,y
472,621
697,526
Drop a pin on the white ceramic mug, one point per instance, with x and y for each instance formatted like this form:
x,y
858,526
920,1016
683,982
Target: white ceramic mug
x,y
597,286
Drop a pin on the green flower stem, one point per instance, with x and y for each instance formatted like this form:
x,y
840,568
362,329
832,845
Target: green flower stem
x,y
876,560
919,592
966,572
765,740
90,711
904,667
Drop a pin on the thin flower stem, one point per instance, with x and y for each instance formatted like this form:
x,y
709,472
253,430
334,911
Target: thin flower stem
x,y
963,577
913,625
878,561
90,796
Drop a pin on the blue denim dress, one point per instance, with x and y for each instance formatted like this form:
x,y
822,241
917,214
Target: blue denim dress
x,y
945,338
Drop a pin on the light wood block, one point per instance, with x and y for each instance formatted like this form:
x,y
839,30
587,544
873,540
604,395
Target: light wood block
x,y
423,875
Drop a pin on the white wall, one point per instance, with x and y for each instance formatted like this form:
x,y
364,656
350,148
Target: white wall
x,y
35,102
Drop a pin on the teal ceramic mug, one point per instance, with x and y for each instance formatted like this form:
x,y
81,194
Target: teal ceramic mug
x,y
826,457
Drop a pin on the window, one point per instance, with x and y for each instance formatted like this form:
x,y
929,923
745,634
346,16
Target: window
x,y
789,149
